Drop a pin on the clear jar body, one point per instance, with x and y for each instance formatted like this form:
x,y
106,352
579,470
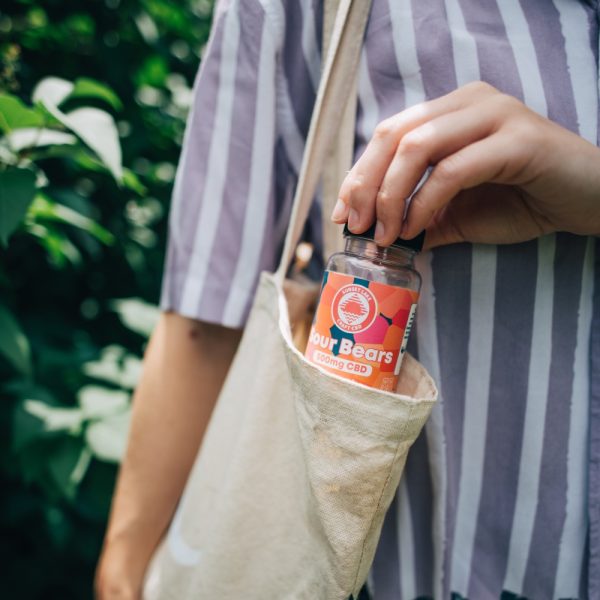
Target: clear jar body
x,y
365,259
365,313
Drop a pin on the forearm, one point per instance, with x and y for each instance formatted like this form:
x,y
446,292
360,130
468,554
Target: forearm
x,y
184,368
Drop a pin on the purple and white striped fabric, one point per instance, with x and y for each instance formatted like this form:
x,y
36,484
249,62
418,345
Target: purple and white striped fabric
x,y
501,496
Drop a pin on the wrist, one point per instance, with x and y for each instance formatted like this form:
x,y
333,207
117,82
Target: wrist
x,y
117,589
120,573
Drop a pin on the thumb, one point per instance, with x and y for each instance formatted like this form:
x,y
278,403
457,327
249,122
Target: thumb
x,y
441,232
461,220
449,224
489,214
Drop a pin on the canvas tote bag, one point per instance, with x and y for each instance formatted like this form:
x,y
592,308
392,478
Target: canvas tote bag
x,y
297,468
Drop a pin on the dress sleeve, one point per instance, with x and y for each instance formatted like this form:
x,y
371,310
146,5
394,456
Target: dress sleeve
x,y
231,197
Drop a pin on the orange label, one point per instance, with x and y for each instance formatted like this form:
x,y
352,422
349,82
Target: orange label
x,y
361,329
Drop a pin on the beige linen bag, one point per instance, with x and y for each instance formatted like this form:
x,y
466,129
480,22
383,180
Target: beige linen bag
x,y
297,468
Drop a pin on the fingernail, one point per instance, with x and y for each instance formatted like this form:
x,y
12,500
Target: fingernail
x,y
339,211
379,231
353,219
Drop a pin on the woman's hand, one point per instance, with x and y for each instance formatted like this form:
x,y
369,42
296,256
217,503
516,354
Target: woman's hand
x,y
501,174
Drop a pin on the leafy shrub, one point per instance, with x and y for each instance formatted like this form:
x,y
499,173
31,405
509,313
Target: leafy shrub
x,y
93,99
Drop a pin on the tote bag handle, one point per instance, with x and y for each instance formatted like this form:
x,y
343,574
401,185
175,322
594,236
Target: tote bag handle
x,y
337,81
340,154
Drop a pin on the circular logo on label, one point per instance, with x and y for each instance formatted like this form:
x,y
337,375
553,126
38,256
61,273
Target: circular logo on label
x,y
354,308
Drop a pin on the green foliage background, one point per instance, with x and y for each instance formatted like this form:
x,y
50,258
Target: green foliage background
x,y
81,257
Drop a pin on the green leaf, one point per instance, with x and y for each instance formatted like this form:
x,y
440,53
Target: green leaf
x,y
58,526
13,342
15,115
153,72
52,91
33,460
132,182
96,490
107,438
49,119
60,249
69,216
35,138
55,418
68,461
137,315
44,208
26,388
97,402
26,428
99,131
7,157
87,160
147,27
95,127
116,366
17,189
89,88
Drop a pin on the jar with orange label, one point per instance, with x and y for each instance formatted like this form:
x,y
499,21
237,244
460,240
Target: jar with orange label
x,y
366,309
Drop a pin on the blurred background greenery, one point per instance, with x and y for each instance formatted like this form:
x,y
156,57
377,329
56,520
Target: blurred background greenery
x,y
93,100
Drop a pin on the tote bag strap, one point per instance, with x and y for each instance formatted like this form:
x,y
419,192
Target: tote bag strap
x,y
337,81
340,155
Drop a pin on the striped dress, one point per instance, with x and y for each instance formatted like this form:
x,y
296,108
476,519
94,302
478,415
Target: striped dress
x,y
501,496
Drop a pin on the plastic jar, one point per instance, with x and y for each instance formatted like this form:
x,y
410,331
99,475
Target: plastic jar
x,y
366,310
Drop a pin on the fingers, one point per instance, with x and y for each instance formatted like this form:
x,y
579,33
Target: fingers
x,y
356,194
483,161
466,217
471,137
359,189
489,214
419,149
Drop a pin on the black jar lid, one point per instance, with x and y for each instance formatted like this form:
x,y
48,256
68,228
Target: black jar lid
x,y
415,243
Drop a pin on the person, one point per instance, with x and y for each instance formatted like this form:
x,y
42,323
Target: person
x,y
501,493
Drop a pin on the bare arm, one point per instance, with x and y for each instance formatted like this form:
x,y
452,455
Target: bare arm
x,y
184,368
